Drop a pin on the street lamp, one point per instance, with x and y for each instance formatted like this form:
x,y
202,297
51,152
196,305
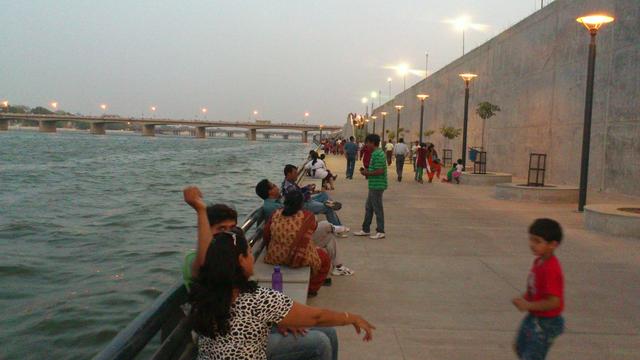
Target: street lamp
x,y
389,82
306,116
422,98
365,101
104,108
384,117
373,96
54,105
5,105
398,107
403,70
204,112
373,117
467,79
593,23
321,126
462,24
153,111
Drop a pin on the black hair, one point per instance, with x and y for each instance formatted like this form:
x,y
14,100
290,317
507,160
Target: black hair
x,y
218,213
548,229
322,157
314,157
212,290
293,202
401,140
262,188
351,138
459,161
289,168
424,145
373,138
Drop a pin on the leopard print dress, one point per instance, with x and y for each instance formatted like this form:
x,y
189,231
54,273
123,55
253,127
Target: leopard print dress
x,y
252,316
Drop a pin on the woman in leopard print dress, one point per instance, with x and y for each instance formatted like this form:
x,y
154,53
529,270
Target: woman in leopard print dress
x,y
233,315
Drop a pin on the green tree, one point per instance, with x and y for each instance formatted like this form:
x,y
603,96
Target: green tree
x,y
39,110
428,133
486,110
390,135
450,133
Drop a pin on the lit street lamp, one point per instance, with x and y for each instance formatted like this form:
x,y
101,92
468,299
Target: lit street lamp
x,y
306,116
204,112
5,105
462,24
593,24
467,79
403,70
398,107
54,105
365,101
422,98
373,96
104,108
384,117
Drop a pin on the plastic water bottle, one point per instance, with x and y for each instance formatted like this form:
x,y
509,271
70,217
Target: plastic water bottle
x,y
276,279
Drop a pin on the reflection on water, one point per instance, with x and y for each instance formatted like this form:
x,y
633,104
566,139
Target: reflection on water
x,y
93,228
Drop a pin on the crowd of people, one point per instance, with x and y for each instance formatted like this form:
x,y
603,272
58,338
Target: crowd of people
x,y
237,319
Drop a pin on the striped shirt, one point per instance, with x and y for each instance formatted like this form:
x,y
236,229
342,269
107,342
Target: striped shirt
x,y
378,161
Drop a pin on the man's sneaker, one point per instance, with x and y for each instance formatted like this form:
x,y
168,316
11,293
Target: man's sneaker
x,y
377,236
341,270
334,205
339,229
361,233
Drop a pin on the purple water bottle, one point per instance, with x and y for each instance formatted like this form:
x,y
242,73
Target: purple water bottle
x,y
276,279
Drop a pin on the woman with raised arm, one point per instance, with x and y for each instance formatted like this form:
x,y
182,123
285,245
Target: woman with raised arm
x,y
233,315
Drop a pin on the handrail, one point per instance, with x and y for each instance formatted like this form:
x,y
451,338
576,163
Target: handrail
x,y
133,338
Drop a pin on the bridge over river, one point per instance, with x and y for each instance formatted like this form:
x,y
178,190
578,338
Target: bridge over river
x,y
47,123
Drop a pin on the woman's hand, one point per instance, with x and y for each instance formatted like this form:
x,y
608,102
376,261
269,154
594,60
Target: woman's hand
x,y
361,324
193,197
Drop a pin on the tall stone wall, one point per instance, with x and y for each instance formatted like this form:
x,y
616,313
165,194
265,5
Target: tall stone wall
x,y
536,72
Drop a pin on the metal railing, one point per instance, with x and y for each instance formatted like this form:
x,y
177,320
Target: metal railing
x,y
165,315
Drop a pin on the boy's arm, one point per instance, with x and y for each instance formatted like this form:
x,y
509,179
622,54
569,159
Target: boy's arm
x,y
550,303
193,197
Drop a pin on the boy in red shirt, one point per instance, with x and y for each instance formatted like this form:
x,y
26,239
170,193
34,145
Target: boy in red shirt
x,y
544,299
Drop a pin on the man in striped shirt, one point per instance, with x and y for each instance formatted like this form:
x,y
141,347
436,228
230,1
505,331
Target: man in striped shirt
x,y
377,177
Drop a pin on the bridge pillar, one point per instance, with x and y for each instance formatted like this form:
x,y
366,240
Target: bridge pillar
x,y
305,136
97,129
201,132
47,126
148,130
229,134
4,124
252,134
285,136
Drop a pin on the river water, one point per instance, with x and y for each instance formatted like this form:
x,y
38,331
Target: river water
x,y
93,228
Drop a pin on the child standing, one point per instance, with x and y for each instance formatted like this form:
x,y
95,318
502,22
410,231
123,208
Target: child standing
x,y
458,171
544,298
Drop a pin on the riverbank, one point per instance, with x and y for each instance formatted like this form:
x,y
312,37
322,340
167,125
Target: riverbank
x,y
440,285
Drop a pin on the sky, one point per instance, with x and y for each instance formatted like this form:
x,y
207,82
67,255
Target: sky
x,y
281,58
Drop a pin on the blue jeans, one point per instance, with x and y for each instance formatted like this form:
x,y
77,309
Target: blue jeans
x,y
320,343
316,206
351,165
536,336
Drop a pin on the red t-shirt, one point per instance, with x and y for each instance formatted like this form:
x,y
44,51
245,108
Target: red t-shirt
x,y
546,279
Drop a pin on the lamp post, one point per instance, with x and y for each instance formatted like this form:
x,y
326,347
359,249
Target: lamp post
x,y
389,82
373,96
153,111
467,79
398,108
373,117
384,117
422,98
593,24
365,101
104,108
403,70
306,117
321,126
54,105
204,112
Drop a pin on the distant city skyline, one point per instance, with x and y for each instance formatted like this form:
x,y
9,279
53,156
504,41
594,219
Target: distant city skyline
x,y
280,58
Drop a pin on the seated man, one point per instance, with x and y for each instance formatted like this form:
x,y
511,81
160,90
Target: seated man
x,y
213,219
316,202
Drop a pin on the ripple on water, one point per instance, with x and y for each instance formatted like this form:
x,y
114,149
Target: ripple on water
x,y
96,229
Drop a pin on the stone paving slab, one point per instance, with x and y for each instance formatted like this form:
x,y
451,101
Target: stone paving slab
x,y
439,286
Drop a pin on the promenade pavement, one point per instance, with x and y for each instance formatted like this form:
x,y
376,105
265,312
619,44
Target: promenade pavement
x,y
440,285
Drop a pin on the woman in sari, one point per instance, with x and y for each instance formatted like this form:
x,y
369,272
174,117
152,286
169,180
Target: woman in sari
x,y
288,237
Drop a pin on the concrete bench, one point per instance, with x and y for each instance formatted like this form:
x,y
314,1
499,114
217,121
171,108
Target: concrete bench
x,y
295,281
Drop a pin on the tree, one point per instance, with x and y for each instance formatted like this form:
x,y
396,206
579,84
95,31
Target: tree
x,y
486,110
41,111
390,135
428,133
450,133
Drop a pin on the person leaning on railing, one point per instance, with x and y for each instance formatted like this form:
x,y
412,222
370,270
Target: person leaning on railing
x,y
233,315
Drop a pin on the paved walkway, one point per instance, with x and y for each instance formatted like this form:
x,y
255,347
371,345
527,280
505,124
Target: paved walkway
x,y
440,285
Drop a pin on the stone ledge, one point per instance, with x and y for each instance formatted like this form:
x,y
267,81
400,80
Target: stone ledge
x,y
547,194
609,219
488,179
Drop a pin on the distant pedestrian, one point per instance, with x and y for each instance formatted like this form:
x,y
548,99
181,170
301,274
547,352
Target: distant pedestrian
x,y
454,173
421,162
544,298
365,155
414,154
389,152
401,151
351,152
377,178
433,161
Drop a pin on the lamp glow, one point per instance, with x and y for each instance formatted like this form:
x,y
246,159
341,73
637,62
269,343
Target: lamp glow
x,y
255,112
306,114
384,113
204,110
364,100
468,76
54,104
103,107
594,22
398,107
153,108
422,97
389,79
374,94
